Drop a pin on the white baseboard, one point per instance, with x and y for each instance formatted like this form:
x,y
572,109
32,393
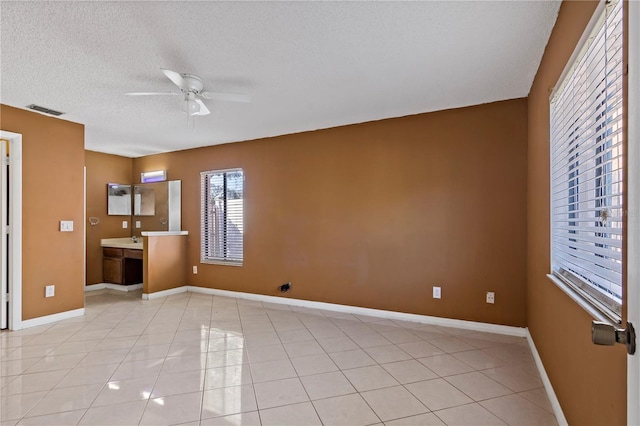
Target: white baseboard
x,y
94,287
109,286
553,399
401,316
47,319
164,293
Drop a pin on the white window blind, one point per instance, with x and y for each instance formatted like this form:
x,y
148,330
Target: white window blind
x,y
587,168
222,216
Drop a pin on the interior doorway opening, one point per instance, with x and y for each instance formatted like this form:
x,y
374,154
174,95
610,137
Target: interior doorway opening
x,y
4,235
11,230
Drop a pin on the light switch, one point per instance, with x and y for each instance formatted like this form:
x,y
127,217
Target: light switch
x,y
49,291
125,224
437,292
66,226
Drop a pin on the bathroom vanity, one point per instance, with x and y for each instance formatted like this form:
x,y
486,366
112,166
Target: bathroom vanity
x,y
156,255
122,261
156,259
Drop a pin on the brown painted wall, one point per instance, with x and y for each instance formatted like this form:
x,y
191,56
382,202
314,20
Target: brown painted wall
x,y
589,380
165,263
376,214
53,188
101,170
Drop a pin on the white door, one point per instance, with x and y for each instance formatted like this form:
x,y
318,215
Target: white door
x,y
4,236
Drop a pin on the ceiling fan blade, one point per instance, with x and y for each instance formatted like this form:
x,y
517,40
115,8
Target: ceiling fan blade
x,y
232,97
150,93
176,78
203,108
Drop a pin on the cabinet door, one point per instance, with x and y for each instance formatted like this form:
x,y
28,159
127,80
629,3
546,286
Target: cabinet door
x,y
112,270
132,271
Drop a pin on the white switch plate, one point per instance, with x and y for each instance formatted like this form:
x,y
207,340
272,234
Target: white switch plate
x,y
125,224
491,297
66,226
50,291
195,269
138,224
437,293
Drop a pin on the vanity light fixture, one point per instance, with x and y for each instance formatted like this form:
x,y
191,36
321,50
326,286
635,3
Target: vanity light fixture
x,y
156,176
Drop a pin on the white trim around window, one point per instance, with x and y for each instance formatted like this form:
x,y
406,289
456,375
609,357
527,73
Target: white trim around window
x,y
587,167
222,217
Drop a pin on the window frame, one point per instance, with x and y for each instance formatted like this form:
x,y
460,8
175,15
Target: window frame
x,y
205,231
580,290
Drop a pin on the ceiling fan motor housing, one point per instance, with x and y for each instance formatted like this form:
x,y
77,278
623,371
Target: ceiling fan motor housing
x,y
194,83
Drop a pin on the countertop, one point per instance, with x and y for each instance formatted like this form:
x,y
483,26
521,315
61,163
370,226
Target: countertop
x,y
125,242
163,233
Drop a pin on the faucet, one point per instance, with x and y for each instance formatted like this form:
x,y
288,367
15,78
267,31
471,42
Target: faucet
x,y
134,239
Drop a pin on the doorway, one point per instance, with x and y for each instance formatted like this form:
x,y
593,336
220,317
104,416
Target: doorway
x,y
11,230
4,235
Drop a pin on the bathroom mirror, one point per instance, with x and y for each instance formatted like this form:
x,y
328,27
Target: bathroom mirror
x,y
118,199
144,200
157,207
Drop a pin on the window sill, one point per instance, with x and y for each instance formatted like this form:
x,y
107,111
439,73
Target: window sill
x,y
582,301
220,262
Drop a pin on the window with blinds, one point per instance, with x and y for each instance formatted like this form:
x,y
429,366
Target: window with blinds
x,y
222,228
587,167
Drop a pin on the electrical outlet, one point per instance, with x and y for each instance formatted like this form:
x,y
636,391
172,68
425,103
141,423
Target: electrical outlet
x,y
50,291
195,269
285,287
491,297
125,224
66,226
437,293
138,224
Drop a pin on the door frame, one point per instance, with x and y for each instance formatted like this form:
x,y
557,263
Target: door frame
x,y
15,228
633,210
4,246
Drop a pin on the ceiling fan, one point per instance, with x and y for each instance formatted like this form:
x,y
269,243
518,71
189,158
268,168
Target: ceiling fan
x,y
191,89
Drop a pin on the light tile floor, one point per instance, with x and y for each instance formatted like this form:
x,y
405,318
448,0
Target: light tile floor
x,y
196,359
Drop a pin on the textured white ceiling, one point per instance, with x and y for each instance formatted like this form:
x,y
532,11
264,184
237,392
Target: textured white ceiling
x,y
306,65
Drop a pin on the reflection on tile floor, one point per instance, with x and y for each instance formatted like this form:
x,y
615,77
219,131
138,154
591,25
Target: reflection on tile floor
x,y
197,359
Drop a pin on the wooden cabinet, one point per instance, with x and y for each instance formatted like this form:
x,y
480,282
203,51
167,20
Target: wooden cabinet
x,y
112,270
121,266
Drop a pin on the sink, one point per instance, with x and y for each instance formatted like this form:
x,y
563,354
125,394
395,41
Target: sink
x,y
125,242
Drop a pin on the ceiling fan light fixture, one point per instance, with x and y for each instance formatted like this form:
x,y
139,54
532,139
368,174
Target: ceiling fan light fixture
x,y
190,107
